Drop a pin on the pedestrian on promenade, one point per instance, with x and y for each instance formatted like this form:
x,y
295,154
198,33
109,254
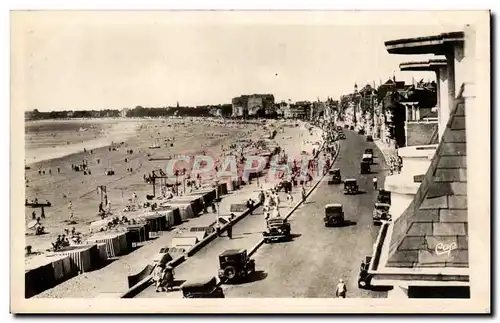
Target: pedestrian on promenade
x,y
341,290
289,198
230,232
303,194
375,183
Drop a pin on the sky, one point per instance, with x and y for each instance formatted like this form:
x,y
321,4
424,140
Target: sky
x,y
93,61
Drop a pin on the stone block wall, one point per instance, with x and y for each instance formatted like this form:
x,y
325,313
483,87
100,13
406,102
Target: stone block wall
x,y
421,133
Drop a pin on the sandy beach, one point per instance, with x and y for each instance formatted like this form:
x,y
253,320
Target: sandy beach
x,y
293,137
52,177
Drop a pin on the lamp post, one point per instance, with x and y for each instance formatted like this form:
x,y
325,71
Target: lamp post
x,y
177,181
184,180
217,200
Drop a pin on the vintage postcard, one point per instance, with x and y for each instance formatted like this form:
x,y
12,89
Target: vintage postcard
x,y
259,161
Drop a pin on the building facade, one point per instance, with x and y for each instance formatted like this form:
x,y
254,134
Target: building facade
x,y
423,252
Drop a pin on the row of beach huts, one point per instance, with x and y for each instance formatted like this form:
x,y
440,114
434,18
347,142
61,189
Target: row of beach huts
x,y
45,271
48,270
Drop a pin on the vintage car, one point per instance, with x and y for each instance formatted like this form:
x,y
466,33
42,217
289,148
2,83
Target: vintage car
x,y
365,166
334,215
278,229
369,138
346,126
336,178
235,264
368,158
381,213
341,135
202,288
361,131
350,186
384,196
369,151
364,278
351,127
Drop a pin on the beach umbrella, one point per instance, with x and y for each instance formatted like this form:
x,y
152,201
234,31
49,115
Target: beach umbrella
x,y
32,224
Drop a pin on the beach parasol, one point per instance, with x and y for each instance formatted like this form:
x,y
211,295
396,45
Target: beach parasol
x,y
32,224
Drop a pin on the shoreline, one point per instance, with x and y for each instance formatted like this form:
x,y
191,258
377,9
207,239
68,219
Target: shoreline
x,y
117,133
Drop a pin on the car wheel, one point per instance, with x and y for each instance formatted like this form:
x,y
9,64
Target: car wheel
x,y
230,272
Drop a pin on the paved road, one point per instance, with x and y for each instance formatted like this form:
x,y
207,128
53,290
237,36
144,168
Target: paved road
x,y
205,262
311,264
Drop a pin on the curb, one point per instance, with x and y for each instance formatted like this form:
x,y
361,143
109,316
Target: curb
x,y
143,284
197,247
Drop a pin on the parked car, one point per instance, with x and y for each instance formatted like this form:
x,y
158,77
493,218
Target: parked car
x,y
351,127
384,196
361,131
342,135
202,288
336,178
346,126
364,278
278,229
369,138
234,264
334,215
381,213
350,186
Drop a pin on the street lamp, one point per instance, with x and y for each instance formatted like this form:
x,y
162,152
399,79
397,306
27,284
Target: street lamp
x,y
217,200
177,181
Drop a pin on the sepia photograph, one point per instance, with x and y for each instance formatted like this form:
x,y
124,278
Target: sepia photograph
x,y
272,161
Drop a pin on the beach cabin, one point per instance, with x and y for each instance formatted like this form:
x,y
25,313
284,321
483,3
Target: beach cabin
x,y
185,209
137,233
172,214
116,242
156,220
207,194
44,272
83,258
196,202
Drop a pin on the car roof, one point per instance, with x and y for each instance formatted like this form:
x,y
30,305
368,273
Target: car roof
x,y
350,180
232,252
333,205
199,282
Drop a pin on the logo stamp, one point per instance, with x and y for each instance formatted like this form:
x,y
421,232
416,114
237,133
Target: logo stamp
x,y
445,248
